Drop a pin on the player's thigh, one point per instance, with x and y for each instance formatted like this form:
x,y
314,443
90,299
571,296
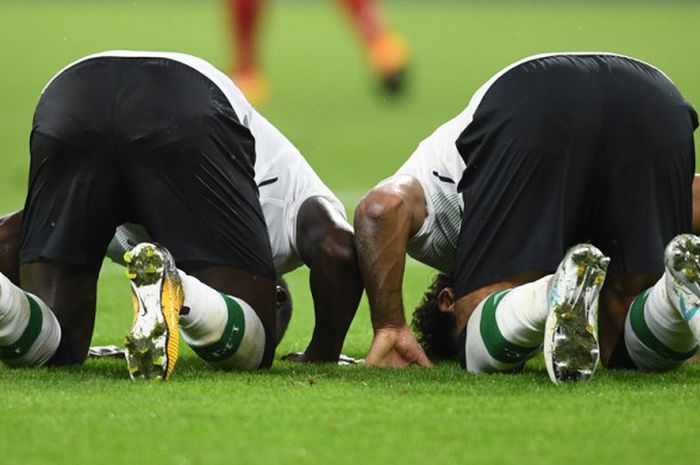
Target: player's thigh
x,y
72,208
73,204
70,292
74,200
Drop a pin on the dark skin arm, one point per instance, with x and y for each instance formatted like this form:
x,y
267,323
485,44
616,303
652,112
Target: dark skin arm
x,y
390,213
325,244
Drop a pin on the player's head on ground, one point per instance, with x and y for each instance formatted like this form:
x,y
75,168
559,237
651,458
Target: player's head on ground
x,y
434,321
283,300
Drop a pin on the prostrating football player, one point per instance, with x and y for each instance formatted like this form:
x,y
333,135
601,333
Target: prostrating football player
x,y
553,151
165,141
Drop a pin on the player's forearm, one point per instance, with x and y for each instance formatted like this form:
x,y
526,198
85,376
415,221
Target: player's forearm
x,y
326,245
381,235
336,287
385,291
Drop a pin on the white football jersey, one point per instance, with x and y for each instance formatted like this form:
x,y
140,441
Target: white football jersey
x,y
438,167
284,178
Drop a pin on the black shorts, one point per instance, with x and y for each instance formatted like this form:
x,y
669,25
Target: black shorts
x,y
142,140
569,149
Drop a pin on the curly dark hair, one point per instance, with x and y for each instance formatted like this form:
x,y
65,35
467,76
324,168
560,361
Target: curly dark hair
x,y
433,327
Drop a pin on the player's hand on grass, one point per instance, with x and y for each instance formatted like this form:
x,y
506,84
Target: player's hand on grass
x,y
396,348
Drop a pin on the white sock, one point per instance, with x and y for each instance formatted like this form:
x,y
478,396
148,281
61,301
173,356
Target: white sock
x,y
507,328
223,330
29,331
656,335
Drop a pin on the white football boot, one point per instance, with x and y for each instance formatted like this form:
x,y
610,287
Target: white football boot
x,y
151,347
571,331
682,260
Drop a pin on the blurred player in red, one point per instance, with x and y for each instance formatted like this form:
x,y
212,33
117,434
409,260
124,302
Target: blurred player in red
x,y
386,51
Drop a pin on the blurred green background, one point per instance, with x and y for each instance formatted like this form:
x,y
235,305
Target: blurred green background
x,y
323,97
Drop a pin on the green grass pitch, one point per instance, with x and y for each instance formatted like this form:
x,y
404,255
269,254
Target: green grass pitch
x,y
324,101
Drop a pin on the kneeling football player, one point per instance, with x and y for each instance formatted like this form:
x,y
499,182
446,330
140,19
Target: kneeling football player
x,y
165,141
552,151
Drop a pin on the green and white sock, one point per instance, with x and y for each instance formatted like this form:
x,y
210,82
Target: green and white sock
x,y
29,331
656,335
506,329
223,330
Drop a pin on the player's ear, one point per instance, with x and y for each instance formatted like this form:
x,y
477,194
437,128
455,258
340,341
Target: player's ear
x,y
446,300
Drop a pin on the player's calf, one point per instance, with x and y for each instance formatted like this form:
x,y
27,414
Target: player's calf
x,y
223,330
506,328
662,328
29,331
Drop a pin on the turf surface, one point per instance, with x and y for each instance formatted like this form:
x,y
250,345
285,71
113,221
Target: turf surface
x,y
325,102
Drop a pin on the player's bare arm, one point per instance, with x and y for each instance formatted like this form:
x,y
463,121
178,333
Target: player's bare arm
x,y
325,242
385,219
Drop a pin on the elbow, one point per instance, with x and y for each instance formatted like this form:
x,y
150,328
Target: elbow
x,y
338,245
377,207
